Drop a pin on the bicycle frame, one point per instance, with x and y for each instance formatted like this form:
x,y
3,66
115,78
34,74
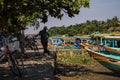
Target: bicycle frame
x,y
30,43
15,65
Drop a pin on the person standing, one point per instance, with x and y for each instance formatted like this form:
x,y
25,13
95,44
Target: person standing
x,y
44,39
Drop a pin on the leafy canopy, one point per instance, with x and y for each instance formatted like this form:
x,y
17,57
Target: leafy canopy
x,y
15,13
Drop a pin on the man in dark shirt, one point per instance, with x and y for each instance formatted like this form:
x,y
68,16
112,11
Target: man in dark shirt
x,y
44,39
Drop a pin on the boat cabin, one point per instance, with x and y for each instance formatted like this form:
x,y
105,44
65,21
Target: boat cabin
x,y
111,41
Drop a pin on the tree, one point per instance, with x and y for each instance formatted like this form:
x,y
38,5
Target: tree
x,y
72,32
15,13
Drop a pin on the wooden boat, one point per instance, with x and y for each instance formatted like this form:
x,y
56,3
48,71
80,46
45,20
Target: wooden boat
x,y
102,54
113,65
56,41
68,42
112,62
76,42
112,44
112,49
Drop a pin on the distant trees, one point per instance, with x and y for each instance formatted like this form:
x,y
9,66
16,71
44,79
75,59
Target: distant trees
x,y
88,27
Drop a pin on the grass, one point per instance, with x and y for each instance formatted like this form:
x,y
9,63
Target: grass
x,y
74,62
74,57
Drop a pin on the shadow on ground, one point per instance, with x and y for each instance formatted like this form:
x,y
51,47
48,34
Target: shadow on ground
x,y
75,70
71,70
40,67
37,67
108,73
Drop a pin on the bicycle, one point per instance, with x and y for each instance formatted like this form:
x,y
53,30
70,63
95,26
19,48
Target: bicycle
x,y
31,43
9,51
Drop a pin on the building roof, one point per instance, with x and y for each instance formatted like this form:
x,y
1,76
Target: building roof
x,y
114,28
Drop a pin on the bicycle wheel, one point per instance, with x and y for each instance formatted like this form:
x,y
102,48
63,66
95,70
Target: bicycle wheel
x,y
2,56
35,47
16,65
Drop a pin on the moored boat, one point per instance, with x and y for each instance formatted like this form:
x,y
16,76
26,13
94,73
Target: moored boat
x,y
112,49
113,65
112,44
102,54
112,62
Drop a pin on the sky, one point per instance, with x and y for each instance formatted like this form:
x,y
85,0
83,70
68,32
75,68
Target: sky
x,y
100,10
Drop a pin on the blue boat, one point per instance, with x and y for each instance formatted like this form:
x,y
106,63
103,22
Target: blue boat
x,y
56,41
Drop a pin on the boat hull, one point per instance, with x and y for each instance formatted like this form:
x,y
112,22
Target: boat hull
x,y
110,63
113,66
114,50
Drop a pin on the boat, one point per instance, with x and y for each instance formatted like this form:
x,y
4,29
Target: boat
x,y
69,42
113,65
112,49
56,41
112,44
76,42
112,62
103,54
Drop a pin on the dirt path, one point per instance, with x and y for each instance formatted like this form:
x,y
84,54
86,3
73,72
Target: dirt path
x,y
42,68
37,67
96,72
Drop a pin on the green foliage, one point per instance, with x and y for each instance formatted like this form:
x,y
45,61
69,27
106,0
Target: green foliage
x,y
72,32
89,27
20,12
78,57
